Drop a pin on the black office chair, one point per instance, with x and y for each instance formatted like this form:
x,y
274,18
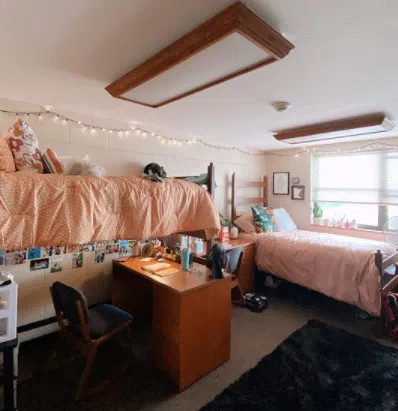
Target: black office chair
x,y
235,258
86,328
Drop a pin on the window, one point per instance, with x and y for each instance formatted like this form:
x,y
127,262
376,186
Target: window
x,y
362,186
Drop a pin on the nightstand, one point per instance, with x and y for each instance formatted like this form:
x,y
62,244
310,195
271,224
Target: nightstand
x,y
248,268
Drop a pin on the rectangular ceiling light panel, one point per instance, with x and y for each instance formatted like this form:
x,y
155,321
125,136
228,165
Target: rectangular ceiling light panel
x,y
365,125
230,44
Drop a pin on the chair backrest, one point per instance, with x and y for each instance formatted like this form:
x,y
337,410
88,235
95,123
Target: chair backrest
x,y
234,260
65,301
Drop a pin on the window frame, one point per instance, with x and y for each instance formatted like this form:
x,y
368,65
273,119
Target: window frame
x,y
383,215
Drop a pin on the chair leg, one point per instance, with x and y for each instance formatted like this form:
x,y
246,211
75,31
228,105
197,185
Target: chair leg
x,y
54,362
82,385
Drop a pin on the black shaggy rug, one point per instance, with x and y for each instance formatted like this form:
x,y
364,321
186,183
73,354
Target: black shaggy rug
x,y
318,367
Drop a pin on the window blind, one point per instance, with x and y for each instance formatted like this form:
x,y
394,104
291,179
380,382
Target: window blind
x,y
360,178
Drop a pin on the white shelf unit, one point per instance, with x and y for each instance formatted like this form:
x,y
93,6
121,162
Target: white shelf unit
x,y
8,310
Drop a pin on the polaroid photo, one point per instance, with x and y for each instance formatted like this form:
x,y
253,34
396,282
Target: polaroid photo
x,y
77,260
56,265
40,264
88,247
15,257
100,255
2,257
124,248
34,253
75,249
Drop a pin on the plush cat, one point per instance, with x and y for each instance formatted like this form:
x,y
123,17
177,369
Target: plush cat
x,y
154,168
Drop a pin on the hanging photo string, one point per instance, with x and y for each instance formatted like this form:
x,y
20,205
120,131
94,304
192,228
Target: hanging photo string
x,y
123,133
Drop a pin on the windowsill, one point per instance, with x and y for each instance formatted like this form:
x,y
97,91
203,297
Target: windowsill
x,y
346,229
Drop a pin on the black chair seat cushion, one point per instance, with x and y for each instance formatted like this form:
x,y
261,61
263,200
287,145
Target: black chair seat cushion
x,y
105,318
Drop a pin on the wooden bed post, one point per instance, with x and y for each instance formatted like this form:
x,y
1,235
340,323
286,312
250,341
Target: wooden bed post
x,y
211,182
265,191
233,199
379,265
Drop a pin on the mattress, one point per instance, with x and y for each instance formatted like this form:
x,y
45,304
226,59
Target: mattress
x,y
341,267
49,210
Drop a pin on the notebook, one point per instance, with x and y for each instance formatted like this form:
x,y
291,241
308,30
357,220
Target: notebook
x,y
153,268
167,271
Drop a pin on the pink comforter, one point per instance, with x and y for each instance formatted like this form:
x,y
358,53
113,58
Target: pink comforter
x,y
338,266
52,209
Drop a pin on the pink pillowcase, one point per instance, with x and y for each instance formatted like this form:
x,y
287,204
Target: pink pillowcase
x,y
6,158
246,223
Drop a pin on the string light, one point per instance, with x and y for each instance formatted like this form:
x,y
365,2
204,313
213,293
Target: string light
x,y
369,146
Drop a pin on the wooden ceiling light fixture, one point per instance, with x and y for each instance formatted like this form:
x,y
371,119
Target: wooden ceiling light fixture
x,y
233,42
355,126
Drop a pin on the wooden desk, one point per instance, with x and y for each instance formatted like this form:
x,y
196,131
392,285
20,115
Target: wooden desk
x,y
190,314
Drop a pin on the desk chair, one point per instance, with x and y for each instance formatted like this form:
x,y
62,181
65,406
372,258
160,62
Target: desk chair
x,y
86,329
235,258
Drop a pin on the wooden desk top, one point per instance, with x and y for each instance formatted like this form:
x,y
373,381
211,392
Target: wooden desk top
x,y
180,282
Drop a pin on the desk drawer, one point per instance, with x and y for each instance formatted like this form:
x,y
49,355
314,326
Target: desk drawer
x,y
166,304
166,356
166,327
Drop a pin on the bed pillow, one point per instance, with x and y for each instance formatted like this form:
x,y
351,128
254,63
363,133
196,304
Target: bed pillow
x,y
283,221
25,147
246,223
51,163
263,219
6,158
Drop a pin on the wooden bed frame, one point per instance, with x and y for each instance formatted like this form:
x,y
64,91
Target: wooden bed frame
x,y
211,179
387,267
211,188
235,201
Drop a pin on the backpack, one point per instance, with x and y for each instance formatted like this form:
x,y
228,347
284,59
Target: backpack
x,y
390,313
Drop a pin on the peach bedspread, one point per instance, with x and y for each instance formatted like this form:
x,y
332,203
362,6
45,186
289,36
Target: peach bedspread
x,y
45,210
338,266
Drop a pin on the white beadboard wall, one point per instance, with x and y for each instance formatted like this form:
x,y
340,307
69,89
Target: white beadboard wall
x,y
127,156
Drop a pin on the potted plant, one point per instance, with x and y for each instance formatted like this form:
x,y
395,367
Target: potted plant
x,y
340,222
317,214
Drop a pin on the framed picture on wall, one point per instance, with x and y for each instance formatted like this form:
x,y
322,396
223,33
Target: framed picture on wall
x,y
281,183
298,192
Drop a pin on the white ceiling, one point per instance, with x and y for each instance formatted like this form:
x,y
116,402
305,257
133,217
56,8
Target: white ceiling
x,y
64,53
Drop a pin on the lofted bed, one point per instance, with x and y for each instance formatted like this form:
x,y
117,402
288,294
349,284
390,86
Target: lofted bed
x,y
357,271
51,209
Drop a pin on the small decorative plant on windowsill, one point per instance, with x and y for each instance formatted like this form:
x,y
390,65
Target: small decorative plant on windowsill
x,y
317,214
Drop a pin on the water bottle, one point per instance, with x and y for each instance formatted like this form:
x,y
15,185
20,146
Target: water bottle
x,y
185,256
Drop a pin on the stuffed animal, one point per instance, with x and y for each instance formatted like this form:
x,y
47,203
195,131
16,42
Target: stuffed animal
x,y
154,168
154,172
83,167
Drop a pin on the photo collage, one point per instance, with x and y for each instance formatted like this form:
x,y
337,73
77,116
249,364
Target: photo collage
x,y
53,258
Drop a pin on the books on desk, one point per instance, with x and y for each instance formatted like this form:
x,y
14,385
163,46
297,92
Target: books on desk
x,y
160,269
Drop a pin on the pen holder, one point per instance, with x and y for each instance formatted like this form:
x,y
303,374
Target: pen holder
x,y
185,255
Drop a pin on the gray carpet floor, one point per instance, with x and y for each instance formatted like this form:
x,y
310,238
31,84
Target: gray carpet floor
x,y
254,335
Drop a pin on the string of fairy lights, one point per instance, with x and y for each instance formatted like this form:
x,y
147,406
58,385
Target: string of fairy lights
x,y
122,133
